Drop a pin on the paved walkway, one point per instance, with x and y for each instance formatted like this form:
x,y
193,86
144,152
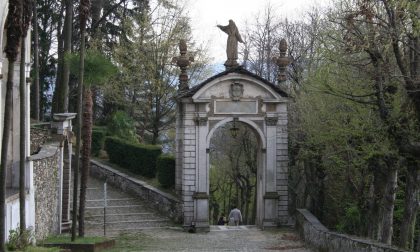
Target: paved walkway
x,y
137,227
244,238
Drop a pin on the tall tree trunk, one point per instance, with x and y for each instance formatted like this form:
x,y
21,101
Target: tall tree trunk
x,y
63,94
97,6
14,33
22,138
373,209
84,13
87,141
56,102
387,212
411,205
36,107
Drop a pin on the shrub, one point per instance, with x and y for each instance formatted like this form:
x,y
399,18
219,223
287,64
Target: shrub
x,y
351,222
98,140
137,158
166,170
122,126
18,240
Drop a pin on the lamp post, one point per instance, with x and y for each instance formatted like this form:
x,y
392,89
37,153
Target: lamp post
x,y
234,130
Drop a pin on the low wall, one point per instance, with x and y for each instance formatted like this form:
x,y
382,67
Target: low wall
x,y
47,189
165,203
321,239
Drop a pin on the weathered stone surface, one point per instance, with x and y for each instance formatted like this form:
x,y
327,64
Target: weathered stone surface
x,y
320,238
38,138
46,182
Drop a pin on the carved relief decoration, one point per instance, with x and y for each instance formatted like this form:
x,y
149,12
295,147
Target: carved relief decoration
x,y
236,91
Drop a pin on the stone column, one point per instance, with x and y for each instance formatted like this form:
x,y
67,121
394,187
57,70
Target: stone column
x,y
282,165
62,123
179,149
188,163
201,196
270,195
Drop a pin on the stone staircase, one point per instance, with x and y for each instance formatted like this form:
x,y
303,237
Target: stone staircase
x,y
124,213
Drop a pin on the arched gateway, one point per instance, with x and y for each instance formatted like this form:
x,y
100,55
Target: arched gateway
x,y
233,95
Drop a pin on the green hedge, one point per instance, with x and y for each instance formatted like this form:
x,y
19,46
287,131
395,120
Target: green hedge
x,y
166,170
137,158
98,140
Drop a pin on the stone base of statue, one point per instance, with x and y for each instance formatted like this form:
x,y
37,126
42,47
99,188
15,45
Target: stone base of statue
x,y
230,64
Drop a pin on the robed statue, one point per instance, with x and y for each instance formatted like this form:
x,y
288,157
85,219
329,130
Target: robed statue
x,y
232,43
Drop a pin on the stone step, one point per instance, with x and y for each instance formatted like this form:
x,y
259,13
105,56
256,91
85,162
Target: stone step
x,y
98,193
121,217
98,210
137,224
112,202
115,232
65,227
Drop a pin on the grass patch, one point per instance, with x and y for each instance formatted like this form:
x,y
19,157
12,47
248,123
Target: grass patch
x,y
130,243
79,240
41,249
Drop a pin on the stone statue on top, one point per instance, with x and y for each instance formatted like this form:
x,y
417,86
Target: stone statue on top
x,y
232,43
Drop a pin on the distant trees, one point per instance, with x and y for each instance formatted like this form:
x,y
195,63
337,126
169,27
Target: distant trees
x,y
146,85
354,126
233,171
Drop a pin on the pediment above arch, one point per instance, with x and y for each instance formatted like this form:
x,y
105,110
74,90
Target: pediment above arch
x,y
236,84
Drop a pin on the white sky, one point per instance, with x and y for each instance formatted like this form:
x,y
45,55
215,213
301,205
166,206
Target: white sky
x,y
206,14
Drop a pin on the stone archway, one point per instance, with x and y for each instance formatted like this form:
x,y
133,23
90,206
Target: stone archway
x,y
261,146
235,94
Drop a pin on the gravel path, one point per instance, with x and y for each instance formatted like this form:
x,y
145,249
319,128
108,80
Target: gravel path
x,y
243,238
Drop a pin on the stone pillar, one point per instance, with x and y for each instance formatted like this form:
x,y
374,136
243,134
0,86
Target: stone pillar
x,y
179,149
270,195
188,164
201,196
62,123
282,163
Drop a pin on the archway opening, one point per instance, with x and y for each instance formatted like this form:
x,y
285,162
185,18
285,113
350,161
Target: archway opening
x,y
233,168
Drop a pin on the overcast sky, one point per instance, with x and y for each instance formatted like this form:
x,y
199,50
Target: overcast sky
x,y
206,14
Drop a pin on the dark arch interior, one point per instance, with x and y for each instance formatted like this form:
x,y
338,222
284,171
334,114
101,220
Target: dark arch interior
x,y
233,172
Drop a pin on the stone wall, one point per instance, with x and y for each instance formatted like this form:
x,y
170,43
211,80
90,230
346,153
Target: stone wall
x,y
38,138
321,239
165,203
46,182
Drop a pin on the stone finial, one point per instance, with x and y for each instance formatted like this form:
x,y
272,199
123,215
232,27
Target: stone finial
x,y
183,61
282,61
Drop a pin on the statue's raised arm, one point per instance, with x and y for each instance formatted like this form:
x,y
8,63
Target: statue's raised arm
x,y
232,43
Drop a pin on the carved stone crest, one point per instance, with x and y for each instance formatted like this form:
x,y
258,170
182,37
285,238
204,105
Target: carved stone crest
x,y
236,91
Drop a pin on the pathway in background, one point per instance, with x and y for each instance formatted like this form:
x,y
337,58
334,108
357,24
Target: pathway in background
x,y
243,238
136,227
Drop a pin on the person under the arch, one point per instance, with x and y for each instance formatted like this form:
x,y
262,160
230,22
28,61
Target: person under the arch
x,y
236,215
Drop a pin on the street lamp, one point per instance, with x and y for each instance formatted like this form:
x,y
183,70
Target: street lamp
x,y
234,130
